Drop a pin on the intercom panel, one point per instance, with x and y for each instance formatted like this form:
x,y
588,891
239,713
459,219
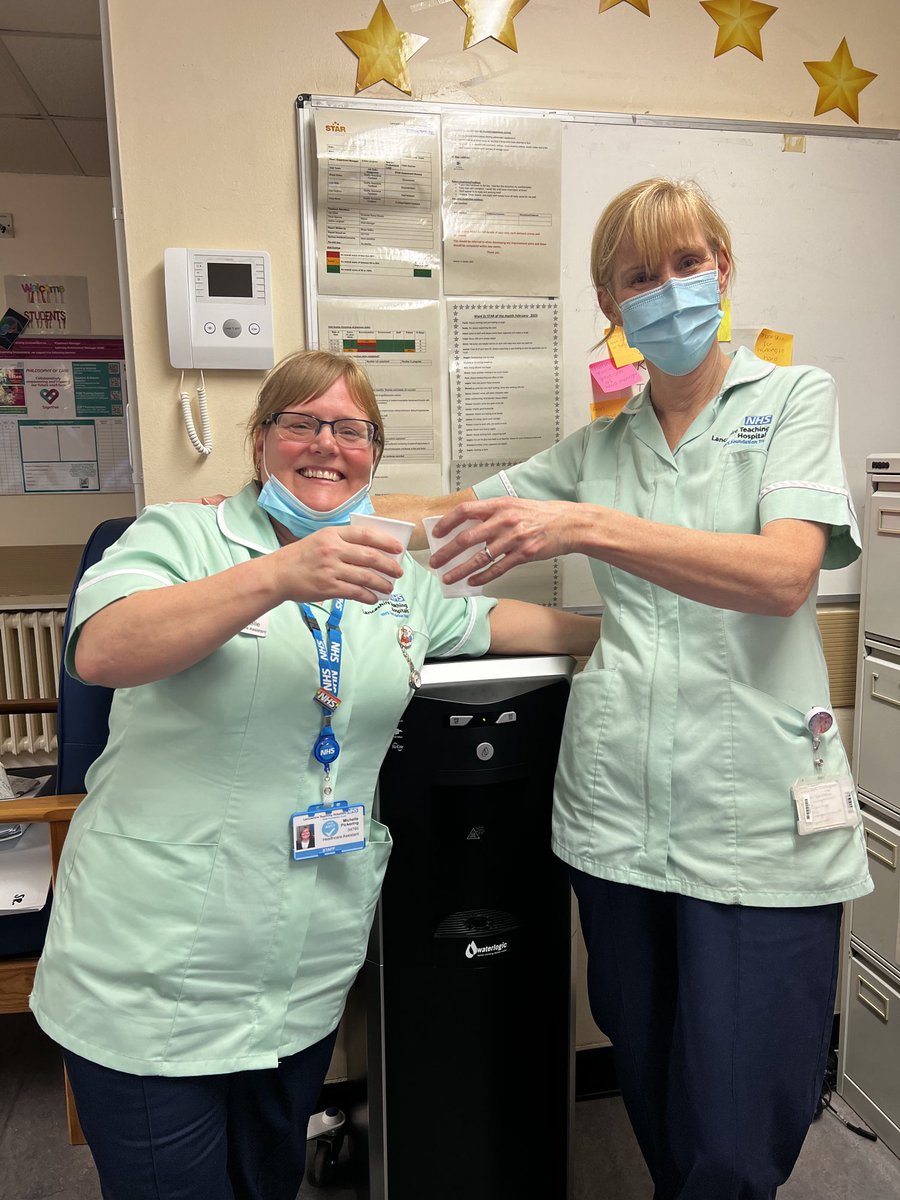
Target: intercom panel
x,y
219,309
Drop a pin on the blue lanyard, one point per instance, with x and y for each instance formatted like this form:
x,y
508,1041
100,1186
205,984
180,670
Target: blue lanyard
x,y
326,748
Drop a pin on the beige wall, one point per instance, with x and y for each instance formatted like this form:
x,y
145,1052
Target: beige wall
x,y
206,127
63,226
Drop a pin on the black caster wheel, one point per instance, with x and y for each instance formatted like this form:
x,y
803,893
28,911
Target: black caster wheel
x,y
323,1167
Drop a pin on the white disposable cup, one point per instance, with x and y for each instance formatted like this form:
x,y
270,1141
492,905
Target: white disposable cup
x,y
462,587
401,530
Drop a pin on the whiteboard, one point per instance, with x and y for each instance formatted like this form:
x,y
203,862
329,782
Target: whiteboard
x,y
816,243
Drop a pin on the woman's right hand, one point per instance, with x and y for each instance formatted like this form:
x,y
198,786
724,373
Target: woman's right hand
x,y
341,561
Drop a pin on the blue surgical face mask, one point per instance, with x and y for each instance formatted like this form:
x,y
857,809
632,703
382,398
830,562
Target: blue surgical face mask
x,y
675,325
281,504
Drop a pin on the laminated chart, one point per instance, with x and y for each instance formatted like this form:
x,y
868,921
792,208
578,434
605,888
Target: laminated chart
x,y
377,227
62,422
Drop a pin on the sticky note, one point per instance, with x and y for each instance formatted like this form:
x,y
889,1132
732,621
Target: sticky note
x,y
775,347
609,406
724,334
620,352
610,378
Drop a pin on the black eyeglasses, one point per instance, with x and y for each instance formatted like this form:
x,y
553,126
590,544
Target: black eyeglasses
x,y
349,432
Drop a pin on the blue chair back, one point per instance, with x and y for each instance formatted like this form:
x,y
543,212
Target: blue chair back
x,y
82,721
82,727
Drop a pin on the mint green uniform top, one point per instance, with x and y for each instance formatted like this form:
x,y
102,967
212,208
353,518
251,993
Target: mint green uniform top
x,y
686,730
184,938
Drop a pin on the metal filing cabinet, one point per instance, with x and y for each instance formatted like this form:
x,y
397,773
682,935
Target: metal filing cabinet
x,y
869,1075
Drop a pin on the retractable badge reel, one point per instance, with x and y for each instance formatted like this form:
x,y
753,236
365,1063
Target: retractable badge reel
x,y
334,826
823,801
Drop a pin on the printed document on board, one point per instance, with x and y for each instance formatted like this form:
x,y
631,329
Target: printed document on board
x,y
504,378
399,344
377,220
501,200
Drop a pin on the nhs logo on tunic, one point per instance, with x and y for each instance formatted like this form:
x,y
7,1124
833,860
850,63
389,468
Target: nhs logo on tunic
x,y
752,431
750,422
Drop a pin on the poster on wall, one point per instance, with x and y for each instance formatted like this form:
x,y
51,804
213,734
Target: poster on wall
x,y
53,304
62,422
505,399
501,205
378,214
399,345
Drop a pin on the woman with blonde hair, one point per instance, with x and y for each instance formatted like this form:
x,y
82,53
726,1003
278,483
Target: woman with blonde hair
x,y
703,798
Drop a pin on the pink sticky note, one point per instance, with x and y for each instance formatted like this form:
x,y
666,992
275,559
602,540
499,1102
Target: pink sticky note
x,y
610,378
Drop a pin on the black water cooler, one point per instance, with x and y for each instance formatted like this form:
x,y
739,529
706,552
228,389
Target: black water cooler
x,y
468,979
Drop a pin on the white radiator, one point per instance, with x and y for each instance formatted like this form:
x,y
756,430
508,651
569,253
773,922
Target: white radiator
x,y
30,654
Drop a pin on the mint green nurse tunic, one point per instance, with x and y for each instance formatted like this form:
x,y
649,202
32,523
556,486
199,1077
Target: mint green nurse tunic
x,y
685,732
185,939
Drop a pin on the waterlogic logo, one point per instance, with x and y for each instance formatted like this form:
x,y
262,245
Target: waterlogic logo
x,y
473,951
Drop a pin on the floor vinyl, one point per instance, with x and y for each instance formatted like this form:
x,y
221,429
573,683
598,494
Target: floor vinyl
x,y
37,1163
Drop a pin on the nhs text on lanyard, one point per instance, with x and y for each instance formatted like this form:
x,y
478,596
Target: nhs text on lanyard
x,y
332,827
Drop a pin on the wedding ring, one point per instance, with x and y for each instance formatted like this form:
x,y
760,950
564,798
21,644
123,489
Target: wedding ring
x,y
490,556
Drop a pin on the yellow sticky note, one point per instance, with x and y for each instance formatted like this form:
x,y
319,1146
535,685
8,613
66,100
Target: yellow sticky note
x,y
724,334
775,347
619,351
609,406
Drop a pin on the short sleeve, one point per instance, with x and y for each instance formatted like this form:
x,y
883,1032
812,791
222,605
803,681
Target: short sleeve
x,y
456,625
804,477
550,475
155,551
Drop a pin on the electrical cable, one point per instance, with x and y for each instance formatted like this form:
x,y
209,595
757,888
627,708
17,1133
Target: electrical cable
x,y
203,443
828,1085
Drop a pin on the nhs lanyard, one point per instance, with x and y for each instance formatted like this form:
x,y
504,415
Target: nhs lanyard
x,y
326,748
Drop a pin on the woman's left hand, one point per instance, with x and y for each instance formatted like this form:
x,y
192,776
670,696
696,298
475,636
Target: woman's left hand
x,y
514,531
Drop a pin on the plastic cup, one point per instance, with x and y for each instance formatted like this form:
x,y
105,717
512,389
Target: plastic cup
x,y
401,530
462,587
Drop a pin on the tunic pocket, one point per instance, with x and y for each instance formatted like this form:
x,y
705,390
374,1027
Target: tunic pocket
x,y
121,937
347,890
772,749
737,497
598,774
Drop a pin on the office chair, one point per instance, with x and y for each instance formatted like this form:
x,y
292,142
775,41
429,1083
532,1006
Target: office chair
x,y
82,730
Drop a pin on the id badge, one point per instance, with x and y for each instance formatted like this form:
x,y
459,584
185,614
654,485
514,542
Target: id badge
x,y
322,829
824,803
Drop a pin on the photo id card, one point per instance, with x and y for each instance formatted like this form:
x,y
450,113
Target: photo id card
x,y
825,803
328,829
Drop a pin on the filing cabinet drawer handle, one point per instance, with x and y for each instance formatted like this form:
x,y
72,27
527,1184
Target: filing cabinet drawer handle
x,y
881,1006
876,695
893,530
889,859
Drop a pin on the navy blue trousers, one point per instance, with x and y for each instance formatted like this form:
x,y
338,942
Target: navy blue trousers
x,y
209,1137
720,1018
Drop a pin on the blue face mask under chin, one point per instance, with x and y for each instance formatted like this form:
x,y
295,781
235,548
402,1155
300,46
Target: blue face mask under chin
x,y
283,506
675,325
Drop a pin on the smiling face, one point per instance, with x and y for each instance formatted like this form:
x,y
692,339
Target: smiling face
x,y
320,473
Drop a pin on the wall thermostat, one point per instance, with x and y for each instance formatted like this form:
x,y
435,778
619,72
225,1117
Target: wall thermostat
x,y
219,309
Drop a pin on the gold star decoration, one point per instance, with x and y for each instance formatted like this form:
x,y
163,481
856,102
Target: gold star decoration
x,y
491,19
641,5
383,51
840,82
739,23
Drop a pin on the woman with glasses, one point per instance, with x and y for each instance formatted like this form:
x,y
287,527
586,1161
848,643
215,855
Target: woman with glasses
x,y
201,948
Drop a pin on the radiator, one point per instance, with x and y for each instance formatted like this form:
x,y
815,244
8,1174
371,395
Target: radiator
x,y
31,650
